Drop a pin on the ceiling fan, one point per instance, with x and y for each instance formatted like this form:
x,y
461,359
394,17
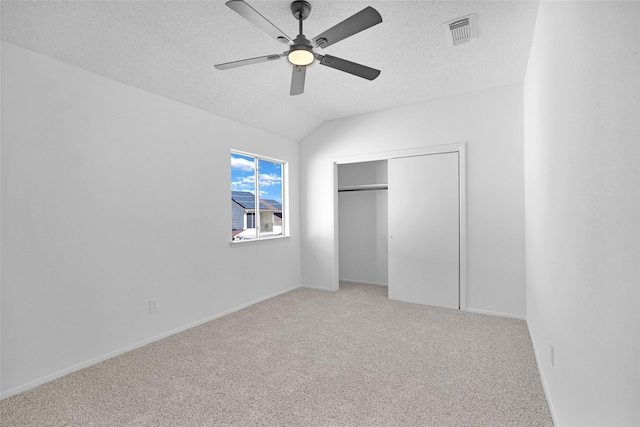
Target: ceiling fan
x,y
300,53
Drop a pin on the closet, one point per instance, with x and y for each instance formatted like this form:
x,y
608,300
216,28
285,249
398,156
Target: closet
x,y
399,225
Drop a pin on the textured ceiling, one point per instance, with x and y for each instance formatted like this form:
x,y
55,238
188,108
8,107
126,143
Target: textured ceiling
x,y
170,47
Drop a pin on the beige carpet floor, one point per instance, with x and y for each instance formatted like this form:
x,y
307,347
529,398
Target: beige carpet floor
x,y
309,358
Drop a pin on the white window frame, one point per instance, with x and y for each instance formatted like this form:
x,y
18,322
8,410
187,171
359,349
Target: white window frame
x,y
285,198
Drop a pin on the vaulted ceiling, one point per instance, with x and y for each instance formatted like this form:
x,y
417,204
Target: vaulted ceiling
x,y
170,48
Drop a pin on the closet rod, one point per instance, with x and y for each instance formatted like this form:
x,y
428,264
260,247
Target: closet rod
x,y
367,187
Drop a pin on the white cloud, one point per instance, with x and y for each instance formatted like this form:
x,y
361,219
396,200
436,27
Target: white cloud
x,y
268,179
242,164
245,183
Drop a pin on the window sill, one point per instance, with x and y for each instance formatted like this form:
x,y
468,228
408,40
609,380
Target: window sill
x,y
258,241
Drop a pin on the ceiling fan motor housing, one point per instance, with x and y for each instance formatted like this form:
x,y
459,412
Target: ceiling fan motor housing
x,y
301,42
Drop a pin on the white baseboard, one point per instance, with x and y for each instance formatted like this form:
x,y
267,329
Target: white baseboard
x,y
128,348
318,288
542,378
363,282
496,313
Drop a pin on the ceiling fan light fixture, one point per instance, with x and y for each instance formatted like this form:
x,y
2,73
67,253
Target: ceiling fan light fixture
x,y
301,55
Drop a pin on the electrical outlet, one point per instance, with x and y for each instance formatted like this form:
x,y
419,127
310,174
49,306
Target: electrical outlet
x,y
551,354
153,305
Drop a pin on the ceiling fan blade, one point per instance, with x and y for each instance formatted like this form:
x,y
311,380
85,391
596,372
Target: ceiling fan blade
x,y
253,16
349,67
362,20
297,79
250,61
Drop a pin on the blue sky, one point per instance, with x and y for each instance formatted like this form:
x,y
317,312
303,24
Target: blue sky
x,y
243,176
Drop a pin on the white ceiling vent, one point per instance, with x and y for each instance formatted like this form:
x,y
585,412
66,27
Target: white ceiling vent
x,y
460,30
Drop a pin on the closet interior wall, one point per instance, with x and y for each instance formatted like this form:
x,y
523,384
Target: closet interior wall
x,y
362,222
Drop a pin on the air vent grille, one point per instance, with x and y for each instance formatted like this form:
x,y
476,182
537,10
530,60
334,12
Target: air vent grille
x,y
460,30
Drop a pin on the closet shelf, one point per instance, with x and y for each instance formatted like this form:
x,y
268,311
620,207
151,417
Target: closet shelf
x,y
363,187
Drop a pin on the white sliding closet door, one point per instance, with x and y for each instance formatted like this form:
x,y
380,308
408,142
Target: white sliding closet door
x,y
424,230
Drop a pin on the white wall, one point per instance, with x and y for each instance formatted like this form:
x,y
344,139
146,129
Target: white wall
x,y
362,224
491,123
582,134
111,196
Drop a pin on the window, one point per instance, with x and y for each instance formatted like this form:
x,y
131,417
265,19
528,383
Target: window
x,y
256,181
251,220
